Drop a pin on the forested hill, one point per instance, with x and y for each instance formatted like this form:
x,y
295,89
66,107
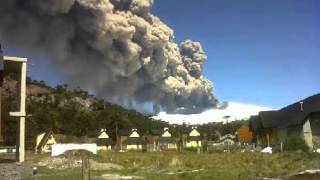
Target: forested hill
x,y
69,112
76,112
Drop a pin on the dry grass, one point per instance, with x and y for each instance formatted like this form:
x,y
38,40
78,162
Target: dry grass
x,y
185,166
212,166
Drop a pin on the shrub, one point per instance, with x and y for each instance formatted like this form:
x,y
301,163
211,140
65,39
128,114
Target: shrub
x,y
295,144
77,154
191,149
215,150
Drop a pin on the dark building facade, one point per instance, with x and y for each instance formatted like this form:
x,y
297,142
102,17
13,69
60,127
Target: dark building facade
x,y
300,119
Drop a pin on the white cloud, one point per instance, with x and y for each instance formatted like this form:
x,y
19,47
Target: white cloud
x,y
235,110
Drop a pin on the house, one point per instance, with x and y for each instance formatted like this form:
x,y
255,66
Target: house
x,y
130,140
44,142
104,141
300,119
161,140
167,142
193,139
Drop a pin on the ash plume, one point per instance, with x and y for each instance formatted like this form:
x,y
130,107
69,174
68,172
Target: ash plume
x,y
116,47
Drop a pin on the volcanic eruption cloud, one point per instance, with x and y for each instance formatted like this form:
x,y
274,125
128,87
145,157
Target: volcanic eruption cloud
x,y
115,47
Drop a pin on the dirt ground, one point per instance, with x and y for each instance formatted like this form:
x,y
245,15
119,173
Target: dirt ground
x,y
10,170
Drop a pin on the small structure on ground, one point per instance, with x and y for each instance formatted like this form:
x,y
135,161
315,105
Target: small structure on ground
x,y
101,138
44,142
161,140
104,141
134,141
228,139
130,140
18,66
223,142
167,142
193,139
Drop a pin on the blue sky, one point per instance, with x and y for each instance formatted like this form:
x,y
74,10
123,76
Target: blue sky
x,y
259,52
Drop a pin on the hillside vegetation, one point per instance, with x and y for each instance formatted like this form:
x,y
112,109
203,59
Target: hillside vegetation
x,y
76,112
69,112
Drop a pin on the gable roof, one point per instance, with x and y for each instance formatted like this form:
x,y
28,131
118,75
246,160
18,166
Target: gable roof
x,y
295,114
194,132
95,133
291,115
270,119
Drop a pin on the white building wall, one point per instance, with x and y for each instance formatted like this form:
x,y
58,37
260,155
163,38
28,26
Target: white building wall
x,y
307,134
58,149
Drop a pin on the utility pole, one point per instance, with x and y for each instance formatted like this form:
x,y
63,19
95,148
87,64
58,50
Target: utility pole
x,y
116,147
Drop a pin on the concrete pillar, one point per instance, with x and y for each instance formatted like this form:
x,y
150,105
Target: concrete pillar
x,y
20,153
307,134
21,114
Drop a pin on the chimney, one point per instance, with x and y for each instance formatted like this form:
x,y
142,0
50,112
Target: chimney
x,y
301,105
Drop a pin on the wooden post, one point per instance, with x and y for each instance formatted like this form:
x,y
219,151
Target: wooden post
x,y
85,168
268,139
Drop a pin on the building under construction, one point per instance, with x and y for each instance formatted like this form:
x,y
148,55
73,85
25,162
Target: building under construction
x,y
17,66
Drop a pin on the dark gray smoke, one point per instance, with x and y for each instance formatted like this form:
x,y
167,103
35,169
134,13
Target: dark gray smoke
x,y
116,47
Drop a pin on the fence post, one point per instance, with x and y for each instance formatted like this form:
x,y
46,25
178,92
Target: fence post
x,y
85,168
